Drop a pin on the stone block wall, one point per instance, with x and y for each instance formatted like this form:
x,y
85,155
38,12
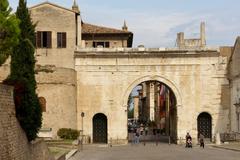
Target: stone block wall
x,y
197,78
58,88
13,141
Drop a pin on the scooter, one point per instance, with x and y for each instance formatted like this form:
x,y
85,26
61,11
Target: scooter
x,y
189,143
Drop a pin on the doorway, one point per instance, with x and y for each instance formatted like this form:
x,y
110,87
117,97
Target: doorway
x,y
205,125
99,128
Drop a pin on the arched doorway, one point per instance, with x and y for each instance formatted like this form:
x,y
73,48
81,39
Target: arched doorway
x,y
99,128
204,122
152,111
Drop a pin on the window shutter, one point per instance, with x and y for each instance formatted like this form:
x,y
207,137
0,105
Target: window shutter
x,y
64,40
49,39
106,44
59,40
39,40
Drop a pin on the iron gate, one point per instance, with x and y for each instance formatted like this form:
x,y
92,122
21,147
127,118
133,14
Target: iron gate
x,y
205,125
99,128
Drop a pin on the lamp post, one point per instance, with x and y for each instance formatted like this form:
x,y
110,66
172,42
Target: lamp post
x,y
82,115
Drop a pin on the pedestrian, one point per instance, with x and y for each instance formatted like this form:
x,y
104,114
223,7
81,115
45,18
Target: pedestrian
x,y
79,143
141,129
201,140
146,130
137,137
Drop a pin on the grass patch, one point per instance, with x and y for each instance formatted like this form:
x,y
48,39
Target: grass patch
x,y
58,152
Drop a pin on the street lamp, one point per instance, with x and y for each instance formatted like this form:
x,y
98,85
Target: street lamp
x,y
82,115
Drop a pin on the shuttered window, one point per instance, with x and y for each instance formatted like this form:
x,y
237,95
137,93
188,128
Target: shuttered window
x,y
44,39
61,40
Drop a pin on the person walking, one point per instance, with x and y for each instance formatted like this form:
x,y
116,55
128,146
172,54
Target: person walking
x,y
141,129
201,140
137,136
146,129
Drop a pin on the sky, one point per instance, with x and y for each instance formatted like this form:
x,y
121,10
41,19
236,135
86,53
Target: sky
x,y
155,23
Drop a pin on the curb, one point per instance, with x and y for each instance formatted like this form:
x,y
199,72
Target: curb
x,y
232,149
70,154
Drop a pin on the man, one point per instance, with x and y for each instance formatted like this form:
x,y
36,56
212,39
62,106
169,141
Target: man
x,y
201,140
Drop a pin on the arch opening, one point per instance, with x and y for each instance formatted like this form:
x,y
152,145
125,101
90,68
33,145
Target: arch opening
x,y
100,128
204,125
152,112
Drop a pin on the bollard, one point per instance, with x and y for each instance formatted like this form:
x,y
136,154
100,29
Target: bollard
x,y
218,140
110,142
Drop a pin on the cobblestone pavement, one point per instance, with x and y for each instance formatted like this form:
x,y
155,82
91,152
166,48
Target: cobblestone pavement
x,y
152,152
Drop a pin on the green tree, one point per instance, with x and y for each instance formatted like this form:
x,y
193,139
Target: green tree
x,y
22,76
130,110
9,30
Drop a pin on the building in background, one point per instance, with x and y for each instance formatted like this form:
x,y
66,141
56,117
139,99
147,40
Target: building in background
x,y
183,43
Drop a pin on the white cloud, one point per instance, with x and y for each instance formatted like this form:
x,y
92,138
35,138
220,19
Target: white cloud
x,y
156,28
159,28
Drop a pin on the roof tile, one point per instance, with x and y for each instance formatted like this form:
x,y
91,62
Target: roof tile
x,y
94,29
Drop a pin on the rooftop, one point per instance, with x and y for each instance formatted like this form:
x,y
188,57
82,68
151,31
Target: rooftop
x,y
94,29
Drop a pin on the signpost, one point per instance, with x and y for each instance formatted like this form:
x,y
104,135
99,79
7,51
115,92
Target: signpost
x,y
82,115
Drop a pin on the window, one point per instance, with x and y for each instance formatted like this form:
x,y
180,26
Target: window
x,y
42,102
44,39
61,40
103,44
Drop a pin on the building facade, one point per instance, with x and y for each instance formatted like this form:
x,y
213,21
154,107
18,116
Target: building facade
x,y
234,78
85,68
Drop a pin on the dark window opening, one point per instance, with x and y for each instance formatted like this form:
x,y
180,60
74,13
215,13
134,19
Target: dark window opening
x,y
44,39
42,102
61,40
102,44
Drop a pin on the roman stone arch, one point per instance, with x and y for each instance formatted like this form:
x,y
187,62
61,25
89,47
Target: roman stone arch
x,y
172,86
164,80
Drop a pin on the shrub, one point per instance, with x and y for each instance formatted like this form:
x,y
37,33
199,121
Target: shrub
x,y
68,133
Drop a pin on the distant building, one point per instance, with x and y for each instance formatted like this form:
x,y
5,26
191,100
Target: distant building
x,y
183,43
98,36
136,107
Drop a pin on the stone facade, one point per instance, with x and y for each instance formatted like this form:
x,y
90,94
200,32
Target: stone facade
x,y
14,143
58,87
49,17
234,78
56,77
75,79
195,76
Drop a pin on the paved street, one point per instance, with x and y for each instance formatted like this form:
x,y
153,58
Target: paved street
x,y
153,152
